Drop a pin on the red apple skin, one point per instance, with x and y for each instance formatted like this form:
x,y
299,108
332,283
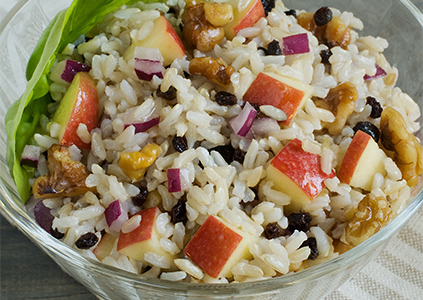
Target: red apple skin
x,y
244,19
143,232
266,90
301,167
212,245
79,105
352,156
164,38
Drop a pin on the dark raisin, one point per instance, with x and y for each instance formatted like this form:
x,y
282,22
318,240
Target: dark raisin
x,y
169,95
178,212
180,143
274,48
253,203
272,231
368,128
229,153
239,155
56,233
86,241
322,16
268,5
291,12
225,98
325,55
376,107
312,244
141,197
299,221
171,10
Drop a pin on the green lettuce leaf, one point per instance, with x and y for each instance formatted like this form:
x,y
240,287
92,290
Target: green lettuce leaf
x,y
22,118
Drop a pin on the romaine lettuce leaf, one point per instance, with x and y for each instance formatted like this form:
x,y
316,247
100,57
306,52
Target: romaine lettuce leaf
x,y
22,118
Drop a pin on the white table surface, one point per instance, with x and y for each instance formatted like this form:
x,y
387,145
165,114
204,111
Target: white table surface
x,y
28,273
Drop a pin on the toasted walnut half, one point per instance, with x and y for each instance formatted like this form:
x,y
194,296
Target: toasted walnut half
x,y
198,32
341,102
408,153
334,33
372,214
66,177
214,69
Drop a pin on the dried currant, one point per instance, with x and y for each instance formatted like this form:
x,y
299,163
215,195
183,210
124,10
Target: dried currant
x,y
141,197
368,128
180,143
325,55
322,16
225,98
274,48
86,241
299,221
169,95
376,107
312,244
178,212
291,12
56,233
272,231
230,154
268,5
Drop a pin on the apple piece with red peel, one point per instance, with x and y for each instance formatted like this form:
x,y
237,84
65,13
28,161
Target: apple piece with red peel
x,y
78,106
298,174
105,246
253,12
284,93
361,162
164,38
217,246
145,238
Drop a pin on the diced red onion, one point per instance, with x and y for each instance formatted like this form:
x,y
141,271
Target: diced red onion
x,y
148,62
242,123
31,155
144,126
295,44
116,214
174,182
65,70
379,73
263,126
43,216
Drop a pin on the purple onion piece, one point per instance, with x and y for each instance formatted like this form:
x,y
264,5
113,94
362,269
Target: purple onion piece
x,y
31,155
43,216
116,214
146,68
295,44
379,73
174,180
242,123
144,126
71,68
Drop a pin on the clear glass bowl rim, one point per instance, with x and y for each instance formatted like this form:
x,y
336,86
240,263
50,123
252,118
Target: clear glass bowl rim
x,y
14,212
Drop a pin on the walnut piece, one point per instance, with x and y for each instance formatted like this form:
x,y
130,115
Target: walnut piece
x,y
198,32
334,33
407,151
214,69
372,214
341,102
66,177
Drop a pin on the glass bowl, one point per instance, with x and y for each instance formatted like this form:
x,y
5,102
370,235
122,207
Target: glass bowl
x,y
396,20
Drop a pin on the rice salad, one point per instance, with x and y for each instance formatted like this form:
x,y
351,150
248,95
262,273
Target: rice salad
x,y
190,165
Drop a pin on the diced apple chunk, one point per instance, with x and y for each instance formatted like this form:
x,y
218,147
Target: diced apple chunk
x,y
361,162
78,106
247,17
145,238
105,247
298,174
217,246
284,93
164,38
